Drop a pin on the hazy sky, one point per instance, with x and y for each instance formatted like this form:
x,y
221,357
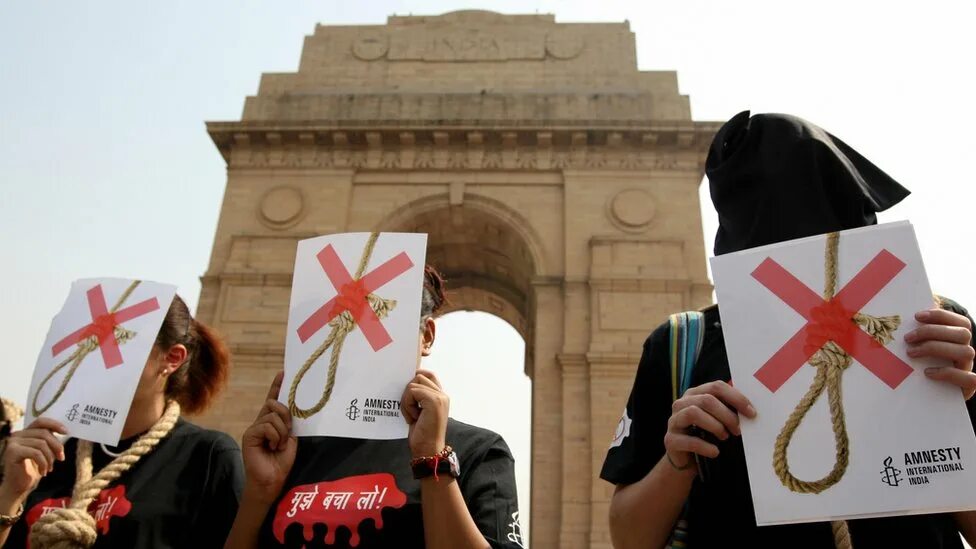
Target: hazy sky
x,y
106,168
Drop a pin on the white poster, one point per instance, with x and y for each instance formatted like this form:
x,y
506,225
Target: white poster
x,y
353,333
880,438
95,353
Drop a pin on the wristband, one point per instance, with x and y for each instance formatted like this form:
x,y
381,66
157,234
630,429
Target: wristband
x,y
9,520
445,461
675,465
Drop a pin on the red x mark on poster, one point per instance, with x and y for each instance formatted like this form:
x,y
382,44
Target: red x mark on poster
x,y
103,326
352,297
831,321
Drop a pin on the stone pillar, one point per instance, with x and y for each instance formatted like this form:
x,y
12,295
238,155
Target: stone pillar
x,y
576,478
611,377
547,419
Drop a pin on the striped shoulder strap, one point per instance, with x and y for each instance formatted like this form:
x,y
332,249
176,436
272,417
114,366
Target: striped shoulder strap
x,y
687,335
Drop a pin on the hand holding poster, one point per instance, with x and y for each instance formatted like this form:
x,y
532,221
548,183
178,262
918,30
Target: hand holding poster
x,y
94,355
353,329
847,426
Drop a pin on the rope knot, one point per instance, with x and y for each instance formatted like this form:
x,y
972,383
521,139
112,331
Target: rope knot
x,y
352,297
102,326
830,321
73,527
64,528
343,322
832,357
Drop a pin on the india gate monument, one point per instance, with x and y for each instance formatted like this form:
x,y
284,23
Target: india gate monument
x,y
558,185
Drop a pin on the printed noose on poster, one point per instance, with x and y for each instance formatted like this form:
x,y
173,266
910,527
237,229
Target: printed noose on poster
x,y
354,305
105,333
835,333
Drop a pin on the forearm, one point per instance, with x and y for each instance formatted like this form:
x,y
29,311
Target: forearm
x,y
642,515
247,525
447,521
10,504
966,522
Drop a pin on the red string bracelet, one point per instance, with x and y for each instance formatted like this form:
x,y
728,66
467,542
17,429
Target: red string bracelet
x,y
432,461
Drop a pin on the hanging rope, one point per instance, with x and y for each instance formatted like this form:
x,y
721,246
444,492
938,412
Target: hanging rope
x,y
830,361
842,535
84,348
73,527
342,325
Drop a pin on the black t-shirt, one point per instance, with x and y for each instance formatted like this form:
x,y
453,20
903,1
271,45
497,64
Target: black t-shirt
x,y
720,509
345,492
184,493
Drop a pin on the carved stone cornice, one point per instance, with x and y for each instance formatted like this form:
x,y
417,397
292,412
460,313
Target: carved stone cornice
x,y
465,145
572,365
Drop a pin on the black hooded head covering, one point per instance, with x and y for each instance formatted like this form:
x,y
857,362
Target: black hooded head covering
x,y
775,177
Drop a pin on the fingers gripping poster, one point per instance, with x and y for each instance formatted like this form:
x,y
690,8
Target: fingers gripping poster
x,y
353,333
848,425
94,355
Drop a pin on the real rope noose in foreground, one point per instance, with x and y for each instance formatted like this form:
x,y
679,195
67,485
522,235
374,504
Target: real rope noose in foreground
x,y
830,361
342,325
73,527
84,348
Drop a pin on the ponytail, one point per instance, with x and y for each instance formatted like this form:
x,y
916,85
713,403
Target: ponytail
x,y
203,374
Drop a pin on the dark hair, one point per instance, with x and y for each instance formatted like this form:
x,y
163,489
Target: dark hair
x,y
433,299
204,372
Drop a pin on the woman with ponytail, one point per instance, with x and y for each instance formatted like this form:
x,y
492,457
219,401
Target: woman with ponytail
x,y
380,493
169,483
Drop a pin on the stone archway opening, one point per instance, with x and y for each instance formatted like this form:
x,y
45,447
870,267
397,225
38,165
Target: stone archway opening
x,y
489,268
478,359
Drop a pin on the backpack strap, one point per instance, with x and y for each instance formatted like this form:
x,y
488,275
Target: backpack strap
x,y
687,336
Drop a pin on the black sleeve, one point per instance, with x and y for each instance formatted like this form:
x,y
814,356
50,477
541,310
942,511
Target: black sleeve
x,y
951,305
490,493
638,442
221,495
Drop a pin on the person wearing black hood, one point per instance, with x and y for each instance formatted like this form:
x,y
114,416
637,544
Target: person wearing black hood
x,y
772,178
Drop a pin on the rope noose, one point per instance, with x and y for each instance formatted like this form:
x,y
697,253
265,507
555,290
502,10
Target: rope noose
x,y
84,348
830,361
342,325
72,527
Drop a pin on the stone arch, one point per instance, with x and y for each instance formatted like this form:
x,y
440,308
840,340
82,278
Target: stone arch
x,y
557,181
513,219
489,254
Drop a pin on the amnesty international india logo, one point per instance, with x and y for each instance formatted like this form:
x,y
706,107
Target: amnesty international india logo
x,y
622,431
890,475
352,412
72,414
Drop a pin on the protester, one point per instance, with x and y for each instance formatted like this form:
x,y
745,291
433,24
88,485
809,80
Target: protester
x,y
380,493
168,483
772,178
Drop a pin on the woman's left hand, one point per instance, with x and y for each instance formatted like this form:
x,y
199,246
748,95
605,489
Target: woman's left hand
x,y
425,406
946,335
